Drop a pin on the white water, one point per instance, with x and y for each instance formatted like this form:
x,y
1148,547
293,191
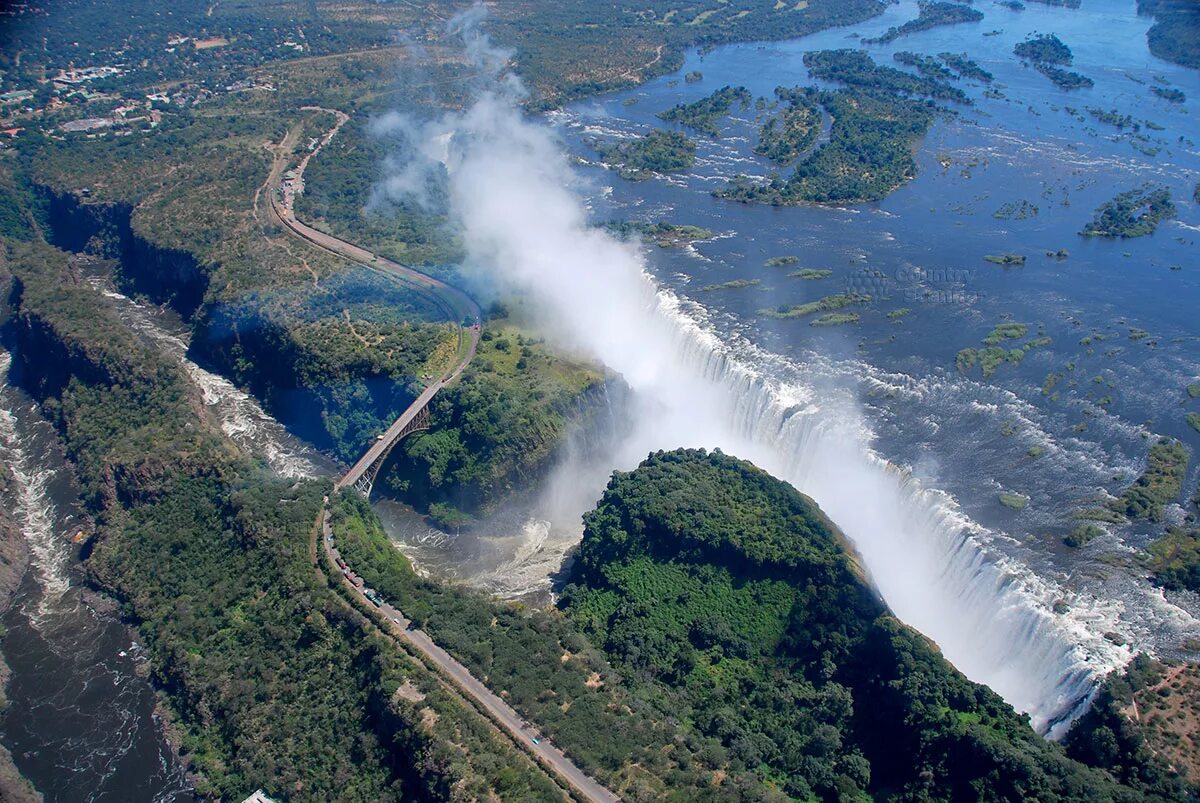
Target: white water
x,y
35,509
526,230
240,417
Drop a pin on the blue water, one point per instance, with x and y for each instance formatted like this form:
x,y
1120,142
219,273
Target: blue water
x,y
922,248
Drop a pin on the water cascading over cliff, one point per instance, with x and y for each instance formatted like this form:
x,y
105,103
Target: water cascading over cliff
x,y
525,229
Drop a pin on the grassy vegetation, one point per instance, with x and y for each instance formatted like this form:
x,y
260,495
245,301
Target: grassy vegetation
x,y
1193,420
965,66
1134,213
656,152
663,233
811,274
779,262
1013,501
549,672
209,558
495,429
927,66
729,594
876,124
1008,259
704,115
931,15
836,319
1082,535
1175,559
1016,210
1169,94
785,138
733,284
995,353
1044,49
826,304
1159,485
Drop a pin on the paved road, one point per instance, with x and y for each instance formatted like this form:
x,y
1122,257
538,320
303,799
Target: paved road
x,y
464,311
403,628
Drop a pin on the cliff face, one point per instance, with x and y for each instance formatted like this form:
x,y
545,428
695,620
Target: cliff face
x,y
164,275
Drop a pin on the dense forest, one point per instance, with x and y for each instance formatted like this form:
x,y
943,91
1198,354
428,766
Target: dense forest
x,y
704,115
788,135
209,557
876,122
704,577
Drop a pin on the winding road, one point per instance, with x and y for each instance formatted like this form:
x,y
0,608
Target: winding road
x,y
460,308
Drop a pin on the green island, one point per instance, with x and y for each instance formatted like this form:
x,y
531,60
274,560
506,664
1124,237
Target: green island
x,y
1065,79
1082,534
704,114
811,274
930,15
1170,94
876,126
730,597
1134,213
1044,48
1001,346
856,69
663,233
1159,485
779,262
656,152
1049,55
927,66
1193,390
1016,210
1114,118
965,66
826,304
1174,559
1006,260
1013,501
787,136
733,284
835,319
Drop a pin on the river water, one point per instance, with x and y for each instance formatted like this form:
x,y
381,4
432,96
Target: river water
x,y
80,722
908,454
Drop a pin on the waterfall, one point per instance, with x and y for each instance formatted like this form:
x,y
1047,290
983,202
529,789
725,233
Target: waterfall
x,y
992,617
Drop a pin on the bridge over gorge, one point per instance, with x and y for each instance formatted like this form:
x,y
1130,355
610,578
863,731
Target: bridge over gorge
x,y
456,305
462,309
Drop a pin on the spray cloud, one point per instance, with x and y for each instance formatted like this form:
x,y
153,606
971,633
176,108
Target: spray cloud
x,y
513,193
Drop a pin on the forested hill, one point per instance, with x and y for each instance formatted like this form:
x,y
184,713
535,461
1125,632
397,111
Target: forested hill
x,y
729,593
